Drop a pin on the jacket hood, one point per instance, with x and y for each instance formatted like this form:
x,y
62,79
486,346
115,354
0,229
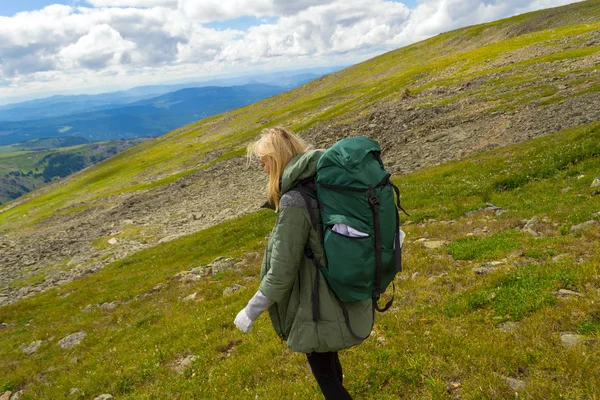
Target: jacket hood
x,y
301,167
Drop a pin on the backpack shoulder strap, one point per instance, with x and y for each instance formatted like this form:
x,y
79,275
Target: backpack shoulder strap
x,y
306,187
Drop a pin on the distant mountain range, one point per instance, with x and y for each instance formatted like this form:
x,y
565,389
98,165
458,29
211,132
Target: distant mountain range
x,y
144,118
62,105
142,111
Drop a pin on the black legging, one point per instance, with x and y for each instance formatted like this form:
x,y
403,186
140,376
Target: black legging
x,y
327,370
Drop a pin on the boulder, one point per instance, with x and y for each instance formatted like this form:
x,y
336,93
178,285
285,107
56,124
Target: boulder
x,y
183,363
586,224
31,348
515,384
509,326
232,289
570,339
72,340
436,244
108,306
190,297
531,225
596,182
568,293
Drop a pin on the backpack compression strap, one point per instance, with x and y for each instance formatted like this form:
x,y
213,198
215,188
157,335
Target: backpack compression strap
x,y
374,203
309,253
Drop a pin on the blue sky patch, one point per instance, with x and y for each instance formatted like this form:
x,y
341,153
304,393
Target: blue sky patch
x,y
241,23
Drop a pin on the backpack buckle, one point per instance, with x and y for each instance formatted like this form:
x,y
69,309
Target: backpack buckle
x,y
308,252
374,201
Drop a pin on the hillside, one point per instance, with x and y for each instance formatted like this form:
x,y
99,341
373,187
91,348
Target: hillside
x,y
460,92
527,87
499,296
28,165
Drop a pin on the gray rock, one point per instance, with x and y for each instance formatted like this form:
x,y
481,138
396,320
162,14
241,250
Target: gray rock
x,y
560,257
104,397
72,340
568,293
493,264
74,392
434,244
570,339
488,207
596,182
516,384
190,297
586,224
221,264
509,326
597,215
184,363
31,348
595,192
17,396
112,241
488,267
6,396
232,289
252,256
108,306
531,225
88,308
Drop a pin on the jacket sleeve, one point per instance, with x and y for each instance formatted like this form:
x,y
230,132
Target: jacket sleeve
x,y
289,239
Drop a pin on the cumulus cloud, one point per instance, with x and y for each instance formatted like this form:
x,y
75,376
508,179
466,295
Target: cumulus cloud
x,y
133,3
140,39
100,47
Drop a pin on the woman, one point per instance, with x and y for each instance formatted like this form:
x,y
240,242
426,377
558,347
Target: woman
x,y
287,275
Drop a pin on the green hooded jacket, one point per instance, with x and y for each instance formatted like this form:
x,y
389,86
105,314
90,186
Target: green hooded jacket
x,y
287,274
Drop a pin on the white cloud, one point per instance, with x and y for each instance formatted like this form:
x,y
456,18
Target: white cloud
x,y
133,3
136,40
101,47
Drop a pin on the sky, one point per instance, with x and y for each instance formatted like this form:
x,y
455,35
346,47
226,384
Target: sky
x,y
49,47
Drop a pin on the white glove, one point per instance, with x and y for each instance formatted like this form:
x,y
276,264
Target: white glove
x,y
243,322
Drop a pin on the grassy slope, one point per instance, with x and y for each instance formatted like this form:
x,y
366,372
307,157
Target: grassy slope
x,y
441,340
446,59
28,160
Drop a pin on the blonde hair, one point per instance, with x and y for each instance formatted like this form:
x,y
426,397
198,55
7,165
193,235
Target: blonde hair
x,y
278,145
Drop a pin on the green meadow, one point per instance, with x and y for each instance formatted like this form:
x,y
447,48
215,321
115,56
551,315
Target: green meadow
x,y
442,339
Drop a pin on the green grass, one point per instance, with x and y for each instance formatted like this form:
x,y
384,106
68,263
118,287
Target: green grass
x,y
489,248
517,294
441,330
555,162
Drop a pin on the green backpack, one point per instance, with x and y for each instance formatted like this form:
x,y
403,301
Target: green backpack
x,y
361,225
